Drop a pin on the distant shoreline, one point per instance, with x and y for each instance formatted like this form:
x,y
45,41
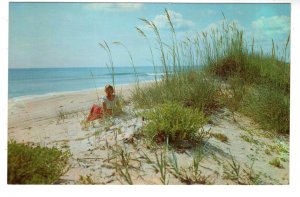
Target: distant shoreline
x,y
100,91
25,83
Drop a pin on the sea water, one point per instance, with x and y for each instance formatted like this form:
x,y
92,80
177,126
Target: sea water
x,y
39,81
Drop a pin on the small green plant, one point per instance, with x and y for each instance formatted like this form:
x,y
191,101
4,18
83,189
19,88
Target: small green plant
x,y
65,144
191,175
232,170
281,148
195,176
125,174
35,164
86,180
123,164
123,160
174,164
162,163
174,122
62,115
276,162
242,175
268,152
97,132
250,176
249,139
84,124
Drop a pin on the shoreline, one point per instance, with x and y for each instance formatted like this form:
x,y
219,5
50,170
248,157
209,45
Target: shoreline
x,y
75,92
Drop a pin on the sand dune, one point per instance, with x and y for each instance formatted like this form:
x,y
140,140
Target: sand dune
x,y
55,120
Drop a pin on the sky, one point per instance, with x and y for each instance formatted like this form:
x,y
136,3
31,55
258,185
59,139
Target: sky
x,y
67,34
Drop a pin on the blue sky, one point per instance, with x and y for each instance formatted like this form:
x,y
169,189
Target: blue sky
x,y
67,34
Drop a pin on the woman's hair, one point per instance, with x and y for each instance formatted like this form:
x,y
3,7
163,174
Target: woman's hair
x,y
108,86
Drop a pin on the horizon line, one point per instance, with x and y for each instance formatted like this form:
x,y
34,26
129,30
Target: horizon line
x,y
75,67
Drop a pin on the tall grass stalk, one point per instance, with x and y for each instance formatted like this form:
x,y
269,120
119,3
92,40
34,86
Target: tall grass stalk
x,y
95,85
160,44
162,163
110,64
141,32
131,61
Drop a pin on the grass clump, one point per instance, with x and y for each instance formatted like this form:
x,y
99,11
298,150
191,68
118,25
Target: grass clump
x,y
189,87
87,180
268,107
276,162
192,174
174,122
249,139
35,164
234,171
221,137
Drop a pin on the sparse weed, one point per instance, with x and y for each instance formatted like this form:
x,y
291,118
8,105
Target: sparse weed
x,y
86,180
122,164
249,139
252,178
235,172
268,152
192,174
276,162
221,137
232,170
174,164
84,124
162,163
61,115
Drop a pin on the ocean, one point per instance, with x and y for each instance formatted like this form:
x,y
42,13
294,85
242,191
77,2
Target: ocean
x,y
39,81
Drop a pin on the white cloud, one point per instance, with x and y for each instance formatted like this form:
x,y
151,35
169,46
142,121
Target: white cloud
x,y
219,25
272,26
113,7
179,23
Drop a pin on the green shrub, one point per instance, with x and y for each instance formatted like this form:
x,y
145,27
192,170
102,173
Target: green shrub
x,y
35,165
173,121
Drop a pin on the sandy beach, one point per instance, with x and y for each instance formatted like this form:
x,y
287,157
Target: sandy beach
x,y
56,120
33,113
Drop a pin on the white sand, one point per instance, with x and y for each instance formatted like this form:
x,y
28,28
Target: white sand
x,y
38,120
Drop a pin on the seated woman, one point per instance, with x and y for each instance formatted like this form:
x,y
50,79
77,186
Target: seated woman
x,y
109,103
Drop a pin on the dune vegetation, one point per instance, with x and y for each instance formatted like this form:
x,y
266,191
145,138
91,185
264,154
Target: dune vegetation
x,y
218,69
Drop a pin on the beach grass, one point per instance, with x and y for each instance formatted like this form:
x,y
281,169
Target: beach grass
x,y
219,68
